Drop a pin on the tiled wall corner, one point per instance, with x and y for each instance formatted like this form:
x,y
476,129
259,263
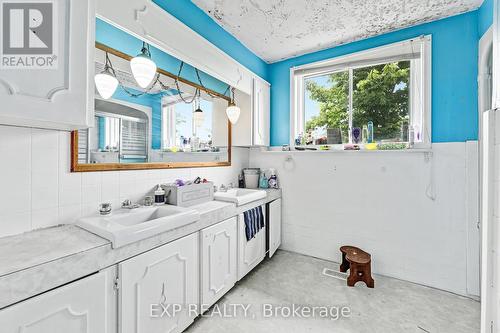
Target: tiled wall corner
x,y
38,190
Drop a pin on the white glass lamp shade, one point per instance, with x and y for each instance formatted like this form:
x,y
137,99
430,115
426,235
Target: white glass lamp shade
x,y
198,118
106,84
233,113
143,69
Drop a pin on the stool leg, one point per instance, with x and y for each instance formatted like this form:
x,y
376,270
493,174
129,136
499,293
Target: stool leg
x,y
360,273
370,283
353,275
345,264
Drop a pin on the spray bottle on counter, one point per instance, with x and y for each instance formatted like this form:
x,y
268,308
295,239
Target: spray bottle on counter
x,y
273,179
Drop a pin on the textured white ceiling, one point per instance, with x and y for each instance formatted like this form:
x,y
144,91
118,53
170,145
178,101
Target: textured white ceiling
x,y
280,29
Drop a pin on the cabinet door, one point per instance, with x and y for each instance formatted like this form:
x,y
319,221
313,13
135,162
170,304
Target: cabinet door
x,y
219,246
159,290
250,253
84,306
261,112
274,223
48,83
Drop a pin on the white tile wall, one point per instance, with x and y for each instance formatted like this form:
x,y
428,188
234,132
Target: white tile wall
x,y
37,190
380,202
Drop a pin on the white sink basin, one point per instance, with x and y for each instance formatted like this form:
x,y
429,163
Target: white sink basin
x,y
125,226
240,196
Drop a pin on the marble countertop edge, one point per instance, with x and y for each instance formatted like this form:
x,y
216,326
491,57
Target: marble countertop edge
x,y
27,271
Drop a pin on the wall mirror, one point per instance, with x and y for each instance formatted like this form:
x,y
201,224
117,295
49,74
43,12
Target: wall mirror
x,y
152,111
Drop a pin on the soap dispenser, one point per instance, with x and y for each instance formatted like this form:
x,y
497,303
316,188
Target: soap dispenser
x,y
159,196
263,183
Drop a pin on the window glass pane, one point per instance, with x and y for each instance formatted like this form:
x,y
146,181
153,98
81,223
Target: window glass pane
x,y
326,109
180,119
111,133
381,98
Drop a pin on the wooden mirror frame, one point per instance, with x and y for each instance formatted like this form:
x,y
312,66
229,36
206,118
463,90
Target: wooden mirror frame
x,y
91,167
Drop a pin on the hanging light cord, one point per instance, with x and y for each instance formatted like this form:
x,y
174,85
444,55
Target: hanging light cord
x,y
206,89
145,49
176,80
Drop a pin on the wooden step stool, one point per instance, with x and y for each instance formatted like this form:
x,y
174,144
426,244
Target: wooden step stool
x,y
359,264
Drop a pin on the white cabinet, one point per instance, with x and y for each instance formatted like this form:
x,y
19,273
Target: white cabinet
x,y
219,246
261,112
84,306
58,94
253,127
252,252
159,290
274,223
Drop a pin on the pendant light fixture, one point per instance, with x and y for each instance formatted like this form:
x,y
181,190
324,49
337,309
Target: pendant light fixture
x,y
233,111
198,115
106,82
143,68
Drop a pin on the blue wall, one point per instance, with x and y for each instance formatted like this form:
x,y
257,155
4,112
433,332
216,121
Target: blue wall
x,y
485,16
454,77
195,18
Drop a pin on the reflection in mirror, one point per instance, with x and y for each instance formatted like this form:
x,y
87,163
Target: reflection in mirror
x,y
176,121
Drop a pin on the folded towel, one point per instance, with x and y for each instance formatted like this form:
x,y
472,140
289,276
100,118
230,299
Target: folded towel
x,y
254,221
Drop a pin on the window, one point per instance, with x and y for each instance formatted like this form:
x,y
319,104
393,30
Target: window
x,y
179,125
111,133
378,96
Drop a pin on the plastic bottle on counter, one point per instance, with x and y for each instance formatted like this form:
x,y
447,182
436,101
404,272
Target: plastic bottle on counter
x,y
273,179
159,195
263,182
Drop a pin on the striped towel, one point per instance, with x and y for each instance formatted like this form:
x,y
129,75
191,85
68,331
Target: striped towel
x,y
254,221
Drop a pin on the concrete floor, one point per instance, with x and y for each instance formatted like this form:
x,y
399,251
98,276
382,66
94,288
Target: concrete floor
x,y
393,306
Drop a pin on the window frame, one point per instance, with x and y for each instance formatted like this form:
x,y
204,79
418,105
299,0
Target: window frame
x,y
420,105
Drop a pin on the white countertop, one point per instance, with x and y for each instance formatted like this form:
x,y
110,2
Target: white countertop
x,y
37,261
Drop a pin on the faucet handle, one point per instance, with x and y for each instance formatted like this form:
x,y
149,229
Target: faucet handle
x,y
105,208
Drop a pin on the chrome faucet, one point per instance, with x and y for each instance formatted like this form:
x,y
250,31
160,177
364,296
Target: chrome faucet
x,y
129,205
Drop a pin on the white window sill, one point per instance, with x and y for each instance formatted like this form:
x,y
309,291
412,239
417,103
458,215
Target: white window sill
x,y
277,150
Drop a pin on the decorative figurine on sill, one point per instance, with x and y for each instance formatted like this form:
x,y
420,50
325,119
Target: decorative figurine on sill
x,y
364,136
298,140
370,132
356,135
321,141
308,138
351,147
